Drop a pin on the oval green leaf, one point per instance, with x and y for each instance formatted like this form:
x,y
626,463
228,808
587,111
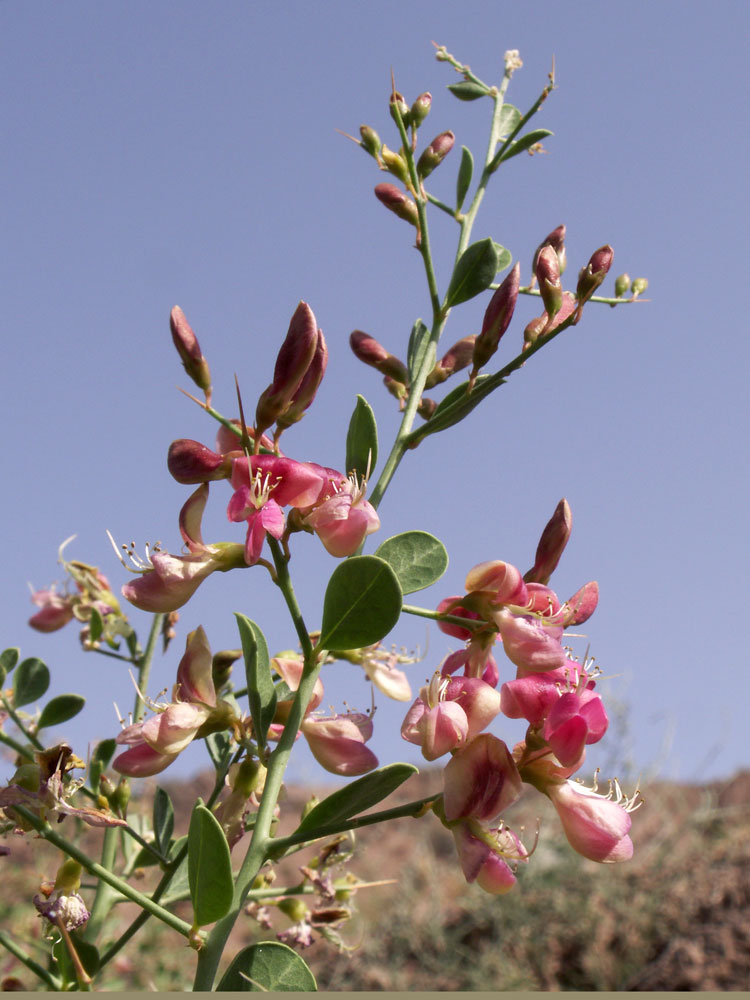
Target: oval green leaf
x,y
419,342
362,440
474,272
416,557
467,90
265,967
357,796
209,867
461,403
260,691
9,658
61,709
362,603
465,172
510,117
30,681
504,257
96,625
219,746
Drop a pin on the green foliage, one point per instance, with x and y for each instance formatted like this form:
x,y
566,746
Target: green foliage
x,y
30,682
260,690
525,142
163,818
362,603
504,257
61,709
8,660
96,625
419,347
268,966
467,90
86,951
474,272
416,557
219,746
209,867
465,172
362,440
510,118
357,796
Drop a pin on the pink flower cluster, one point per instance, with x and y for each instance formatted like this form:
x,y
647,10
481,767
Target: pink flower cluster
x,y
551,691
319,499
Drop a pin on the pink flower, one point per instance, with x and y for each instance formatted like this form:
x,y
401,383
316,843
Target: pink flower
x,y
344,519
481,780
596,826
157,742
448,713
55,611
166,582
482,854
337,742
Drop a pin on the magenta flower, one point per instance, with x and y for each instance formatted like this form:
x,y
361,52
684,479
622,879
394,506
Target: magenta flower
x,y
55,610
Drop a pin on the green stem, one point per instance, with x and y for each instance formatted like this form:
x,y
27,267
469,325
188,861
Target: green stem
x,y
258,850
39,971
105,894
281,844
14,745
470,623
15,717
144,664
69,848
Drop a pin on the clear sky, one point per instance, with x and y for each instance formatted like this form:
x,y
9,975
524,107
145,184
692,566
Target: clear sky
x,y
163,153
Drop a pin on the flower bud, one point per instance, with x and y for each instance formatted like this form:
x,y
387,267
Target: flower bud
x,y
533,331
551,545
396,104
397,202
372,353
591,276
189,350
308,387
191,462
639,286
420,109
548,276
556,240
497,319
395,164
622,285
454,360
292,363
426,408
370,140
221,666
435,153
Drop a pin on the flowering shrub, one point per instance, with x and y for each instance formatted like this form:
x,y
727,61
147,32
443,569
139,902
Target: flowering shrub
x,y
513,660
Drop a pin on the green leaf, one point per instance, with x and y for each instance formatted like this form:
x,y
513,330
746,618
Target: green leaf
x,y
504,257
104,752
510,116
474,272
465,172
416,557
362,603
524,143
362,440
439,422
30,682
179,886
219,746
266,967
87,953
61,709
9,658
357,796
96,625
209,867
467,90
260,690
419,345
163,820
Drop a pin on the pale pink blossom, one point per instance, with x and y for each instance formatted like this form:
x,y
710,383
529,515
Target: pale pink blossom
x,y
596,826
344,519
481,780
55,610
337,742
449,712
488,856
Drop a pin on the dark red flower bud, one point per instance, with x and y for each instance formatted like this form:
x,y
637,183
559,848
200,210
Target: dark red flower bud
x,y
454,360
189,350
420,109
191,462
292,362
548,276
308,387
372,353
435,153
551,544
556,240
496,320
397,202
591,276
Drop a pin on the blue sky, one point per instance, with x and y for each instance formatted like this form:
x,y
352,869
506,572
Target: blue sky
x,y
186,153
